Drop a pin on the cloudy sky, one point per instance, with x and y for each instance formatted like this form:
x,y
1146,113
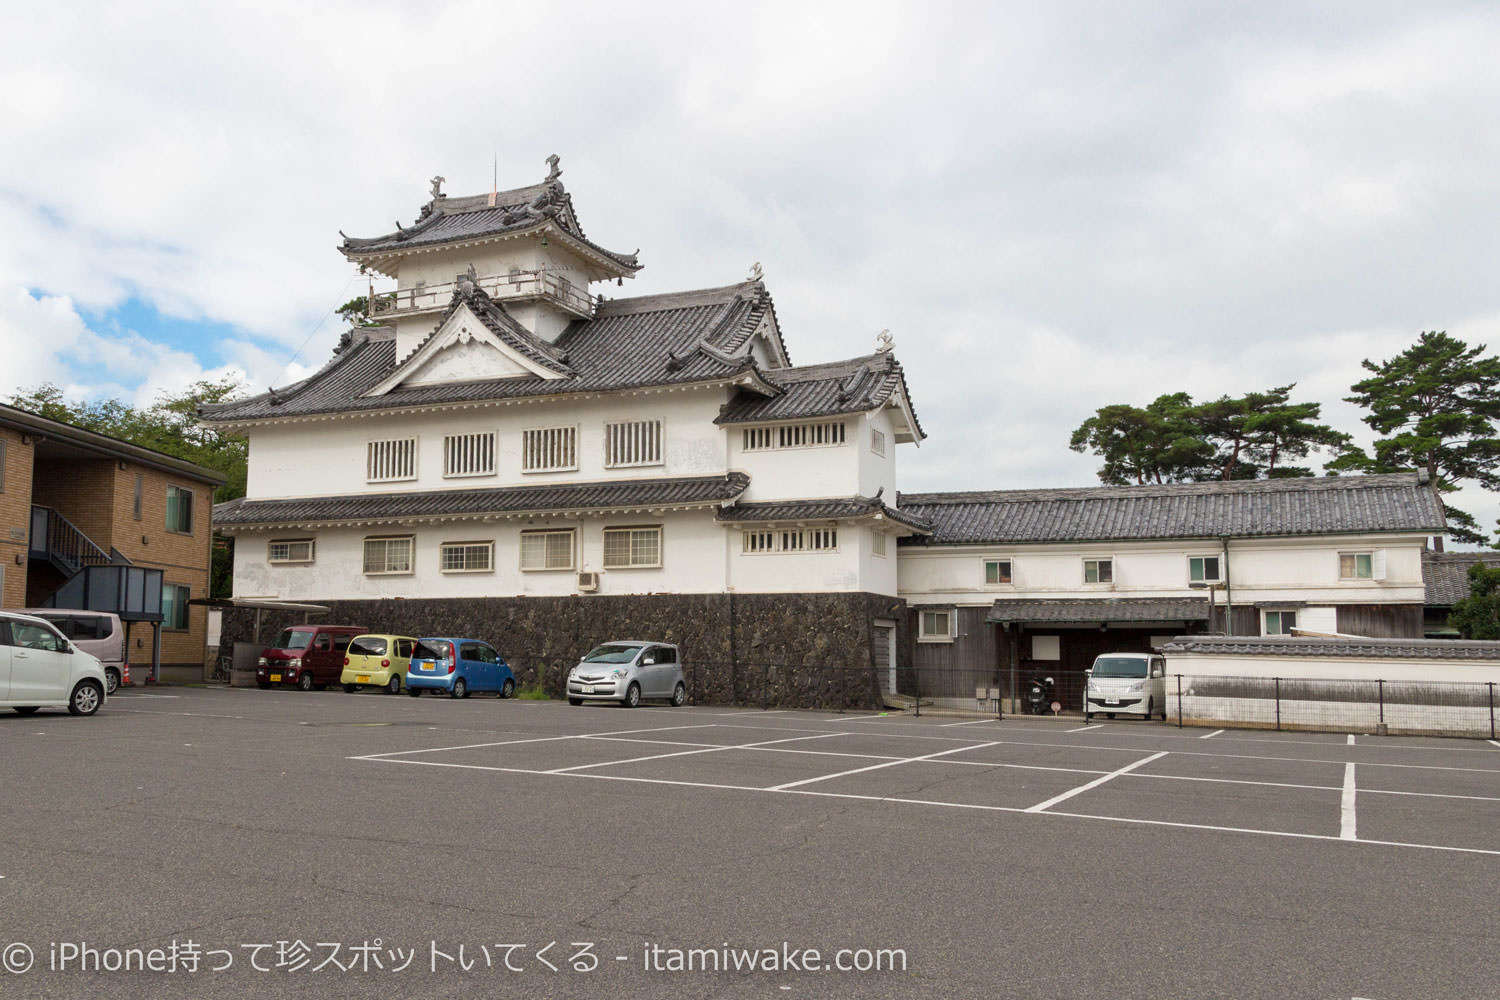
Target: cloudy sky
x,y
1052,206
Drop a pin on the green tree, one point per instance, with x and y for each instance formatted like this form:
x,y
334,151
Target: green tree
x,y
1155,444
1478,615
1435,406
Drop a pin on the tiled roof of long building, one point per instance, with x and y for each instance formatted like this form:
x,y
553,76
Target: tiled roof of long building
x,y
553,498
1395,502
1447,574
857,385
819,510
1404,649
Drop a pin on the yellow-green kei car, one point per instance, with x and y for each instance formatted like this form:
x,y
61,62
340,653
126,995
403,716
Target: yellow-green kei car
x,y
377,661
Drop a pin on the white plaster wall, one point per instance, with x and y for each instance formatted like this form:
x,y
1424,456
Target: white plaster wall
x,y
878,572
876,471
692,561
328,457
800,473
798,572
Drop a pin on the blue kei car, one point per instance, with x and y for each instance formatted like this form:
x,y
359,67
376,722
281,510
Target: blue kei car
x,y
458,667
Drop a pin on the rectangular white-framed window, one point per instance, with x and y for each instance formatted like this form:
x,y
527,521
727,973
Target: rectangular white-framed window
x,y
818,434
549,449
388,555
997,573
391,461
632,443
1204,569
632,548
466,455
1278,622
935,626
877,543
551,549
877,441
179,510
1098,571
289,550
758,541
1356,566
174,606
466,557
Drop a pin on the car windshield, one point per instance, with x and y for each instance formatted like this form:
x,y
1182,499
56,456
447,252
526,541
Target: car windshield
x,y
367,645
295,638
431,649
611,652
1120,666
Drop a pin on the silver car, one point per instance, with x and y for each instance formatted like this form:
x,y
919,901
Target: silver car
x,y
628,671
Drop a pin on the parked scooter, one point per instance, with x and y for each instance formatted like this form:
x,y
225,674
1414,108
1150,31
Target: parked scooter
x,y
1039,698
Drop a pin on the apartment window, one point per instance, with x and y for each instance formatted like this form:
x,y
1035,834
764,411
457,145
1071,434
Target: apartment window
x,y
549,449
174,606
391,461
1203,569
388,555
996,571
466,557
542,550
877,543
1356,566
877,441
290,550
179,510
1280,622
823,434
935,626
137,497
1098,571
632,443
469,454
632,548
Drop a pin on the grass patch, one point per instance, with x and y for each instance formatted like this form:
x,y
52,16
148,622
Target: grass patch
x,y
533,692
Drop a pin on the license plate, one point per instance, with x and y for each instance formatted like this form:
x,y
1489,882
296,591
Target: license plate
x,y
587,688
1111,701
362,678
275,678
426,668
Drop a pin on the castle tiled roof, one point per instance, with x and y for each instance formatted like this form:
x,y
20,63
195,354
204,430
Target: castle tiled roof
x,y
505,501
1308,506
857,385
1277,645
1115,609
837,508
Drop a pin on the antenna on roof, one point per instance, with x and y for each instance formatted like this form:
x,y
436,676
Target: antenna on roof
x,y
495,185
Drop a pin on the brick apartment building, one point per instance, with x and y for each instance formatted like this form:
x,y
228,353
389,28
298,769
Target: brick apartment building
x,y
90,521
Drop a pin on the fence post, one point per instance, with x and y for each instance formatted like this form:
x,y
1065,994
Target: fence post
x,y
1380,696
1179,701
1492,709
1278,703
916,686
765,687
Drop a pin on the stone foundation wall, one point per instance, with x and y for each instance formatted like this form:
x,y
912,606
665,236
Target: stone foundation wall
x,y
781,650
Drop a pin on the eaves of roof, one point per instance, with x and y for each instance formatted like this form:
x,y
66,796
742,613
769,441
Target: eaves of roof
x,y
1102,611
831,509
1282,646
105,446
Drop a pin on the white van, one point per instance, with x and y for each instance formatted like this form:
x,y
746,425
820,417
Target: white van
x,y
98,633
40,668
1126,684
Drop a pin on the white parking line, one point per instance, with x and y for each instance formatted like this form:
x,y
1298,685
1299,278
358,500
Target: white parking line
x,y
535,739
1351,739
1346,807
688,753
971,722
1492,743
1084,729
1205,736
1042,806
876,767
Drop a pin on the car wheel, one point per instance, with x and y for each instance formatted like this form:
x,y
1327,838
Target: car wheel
x,y
87,697
414,692
460,689
263,685
571,701
393,686
632,695
679,694
509,688
26,710
305,683
1109,715
350,688
111,681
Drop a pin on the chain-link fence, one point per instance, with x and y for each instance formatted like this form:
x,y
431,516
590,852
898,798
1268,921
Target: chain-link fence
x,y
1405,707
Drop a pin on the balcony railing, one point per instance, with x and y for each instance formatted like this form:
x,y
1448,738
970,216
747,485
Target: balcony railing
x,y
543,284
57,539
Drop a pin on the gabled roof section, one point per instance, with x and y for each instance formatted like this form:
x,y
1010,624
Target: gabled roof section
x,y
1399,502
559,499
858,385
832,509
539,209
656,341
475,338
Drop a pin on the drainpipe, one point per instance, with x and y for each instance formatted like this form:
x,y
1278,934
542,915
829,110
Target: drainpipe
x,y
1228,588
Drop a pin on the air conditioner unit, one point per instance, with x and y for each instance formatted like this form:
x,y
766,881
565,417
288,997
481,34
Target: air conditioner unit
x,y
588,582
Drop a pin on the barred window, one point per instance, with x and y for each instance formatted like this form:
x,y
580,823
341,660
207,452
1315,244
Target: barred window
x,y
758,541
877,543
823,434
877,441
469,454
635,442
466,557
632,548
547,549
759,438
791,540
391,461
290,550
388,555
549,449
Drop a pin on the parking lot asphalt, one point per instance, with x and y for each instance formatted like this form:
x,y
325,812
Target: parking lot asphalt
x,y
332,845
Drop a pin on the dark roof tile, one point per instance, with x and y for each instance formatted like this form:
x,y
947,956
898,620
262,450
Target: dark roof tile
x,y
1114,609
819,510
1405,649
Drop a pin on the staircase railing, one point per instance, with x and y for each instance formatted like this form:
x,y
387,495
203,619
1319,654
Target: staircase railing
x,y
68,548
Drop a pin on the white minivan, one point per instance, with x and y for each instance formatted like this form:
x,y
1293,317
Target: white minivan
x,y
1126,684
98,633
40,668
